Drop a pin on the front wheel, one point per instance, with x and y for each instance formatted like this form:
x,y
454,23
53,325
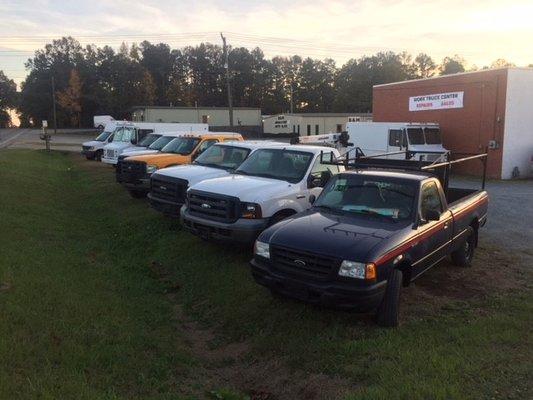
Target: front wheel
x,y
388,314
463,256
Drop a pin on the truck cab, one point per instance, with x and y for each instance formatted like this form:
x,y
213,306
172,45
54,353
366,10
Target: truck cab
x,y
168,186
136,170
272,184
93,149
397,137
370,232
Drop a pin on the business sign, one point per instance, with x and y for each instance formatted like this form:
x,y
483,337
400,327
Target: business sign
x,y
436,101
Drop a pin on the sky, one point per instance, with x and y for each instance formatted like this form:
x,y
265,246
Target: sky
x,y
480,31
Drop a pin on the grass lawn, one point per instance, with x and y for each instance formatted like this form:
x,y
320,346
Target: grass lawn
x,y
101,297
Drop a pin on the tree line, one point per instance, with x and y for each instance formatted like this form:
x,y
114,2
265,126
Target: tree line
x,y
91,80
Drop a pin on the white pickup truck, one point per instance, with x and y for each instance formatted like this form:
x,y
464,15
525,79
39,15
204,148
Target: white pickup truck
x,y
272,184
168,186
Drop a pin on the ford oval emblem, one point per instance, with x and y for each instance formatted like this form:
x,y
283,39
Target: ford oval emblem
x,y
299,262
163,187
205,205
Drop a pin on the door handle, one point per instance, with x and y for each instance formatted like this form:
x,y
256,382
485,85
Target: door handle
x,y
300,196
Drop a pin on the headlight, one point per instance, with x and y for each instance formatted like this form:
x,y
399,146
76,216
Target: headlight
x,y
352,269
150,169
250,210
262,249
90,148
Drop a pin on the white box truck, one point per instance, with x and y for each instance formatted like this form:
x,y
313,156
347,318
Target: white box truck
x,y
128,135
100,121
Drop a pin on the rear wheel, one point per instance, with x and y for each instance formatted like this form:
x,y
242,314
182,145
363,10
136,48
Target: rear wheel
x,y
388,313
463,255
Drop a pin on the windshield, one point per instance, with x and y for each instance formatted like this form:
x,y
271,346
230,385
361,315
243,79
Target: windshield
x,y
370,196
148,140
432,135
161,142
182,145
222,156
415,136
286,165
124,134
103,136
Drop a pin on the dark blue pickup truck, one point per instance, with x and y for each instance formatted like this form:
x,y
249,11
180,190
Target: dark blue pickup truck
x,y
370,232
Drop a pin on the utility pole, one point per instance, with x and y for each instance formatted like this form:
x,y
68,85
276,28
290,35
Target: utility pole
x,y
291,98
54,101
226,66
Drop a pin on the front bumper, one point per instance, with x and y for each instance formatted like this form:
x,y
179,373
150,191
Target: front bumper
x,y
110,160
335,294
165,206
243,231
89,153
140,185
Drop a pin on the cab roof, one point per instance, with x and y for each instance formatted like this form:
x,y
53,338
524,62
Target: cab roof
x,y
252,144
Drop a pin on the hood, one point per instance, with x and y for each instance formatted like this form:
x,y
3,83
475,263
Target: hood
x,y
346,237
129,153
119,146
162,160
193,173
93,143
246,188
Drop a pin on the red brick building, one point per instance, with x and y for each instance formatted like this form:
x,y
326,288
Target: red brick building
x,y
475,109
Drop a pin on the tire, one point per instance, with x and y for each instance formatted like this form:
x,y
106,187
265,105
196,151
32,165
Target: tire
x,y
388,313
137,195
463,256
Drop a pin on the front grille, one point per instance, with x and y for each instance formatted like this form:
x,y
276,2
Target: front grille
x,y
298,262
109,153
168,188
213,206
131,171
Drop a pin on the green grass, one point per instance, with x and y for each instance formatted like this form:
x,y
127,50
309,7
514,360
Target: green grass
x,y
83,315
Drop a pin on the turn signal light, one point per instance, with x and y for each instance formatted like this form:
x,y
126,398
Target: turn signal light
x,y
370,271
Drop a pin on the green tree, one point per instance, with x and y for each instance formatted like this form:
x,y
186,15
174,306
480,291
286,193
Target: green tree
x,y
501,63
8,99
452,65
424,66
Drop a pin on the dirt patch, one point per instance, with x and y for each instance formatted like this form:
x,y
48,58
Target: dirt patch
x,y
493,272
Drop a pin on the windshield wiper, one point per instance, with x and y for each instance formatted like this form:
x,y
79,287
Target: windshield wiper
x,y
240,172
372,212
329,208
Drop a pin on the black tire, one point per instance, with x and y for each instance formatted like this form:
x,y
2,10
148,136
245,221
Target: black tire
x,y
388,313
463,256
137,194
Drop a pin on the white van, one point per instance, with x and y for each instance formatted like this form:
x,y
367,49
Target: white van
x,y
129,134
93,149
388,137
100,121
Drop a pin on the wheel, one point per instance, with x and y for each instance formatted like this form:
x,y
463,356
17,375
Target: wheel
x,y
136,194
98,155
463,256
388,313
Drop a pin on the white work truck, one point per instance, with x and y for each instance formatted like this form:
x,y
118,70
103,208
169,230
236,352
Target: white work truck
x,y
387,137
129,134
93,149
273,183
168,186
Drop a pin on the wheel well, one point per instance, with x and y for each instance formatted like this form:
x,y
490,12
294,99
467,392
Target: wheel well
x,y
405,267
283,214
475,226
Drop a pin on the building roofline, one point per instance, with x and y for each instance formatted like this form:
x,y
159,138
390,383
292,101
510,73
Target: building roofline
x,y
194,108
320,115
481,71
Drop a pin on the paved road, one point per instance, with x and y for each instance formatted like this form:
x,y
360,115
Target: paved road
x,y
29,138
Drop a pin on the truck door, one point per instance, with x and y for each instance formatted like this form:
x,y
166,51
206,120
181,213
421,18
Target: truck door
x,y
396,142
433,237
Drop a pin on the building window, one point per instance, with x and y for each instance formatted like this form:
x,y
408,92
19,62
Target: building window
x,y
339,128
316,129
308,130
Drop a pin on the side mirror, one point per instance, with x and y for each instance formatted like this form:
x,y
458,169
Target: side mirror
x,y
313,181
312,199
324,177
432,215
134,141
